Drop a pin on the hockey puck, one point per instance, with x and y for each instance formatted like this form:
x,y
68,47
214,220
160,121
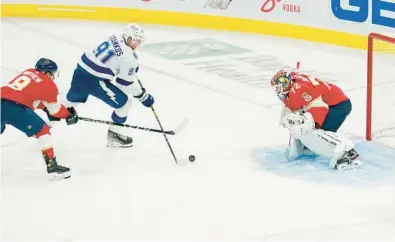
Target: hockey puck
x,y
192,158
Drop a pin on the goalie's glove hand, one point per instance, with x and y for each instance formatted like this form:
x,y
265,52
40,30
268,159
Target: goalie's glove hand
x,y
73,116
292,119
299,124
145,98
50,118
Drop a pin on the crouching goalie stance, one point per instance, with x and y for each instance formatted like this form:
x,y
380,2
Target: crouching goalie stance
x,y
313,111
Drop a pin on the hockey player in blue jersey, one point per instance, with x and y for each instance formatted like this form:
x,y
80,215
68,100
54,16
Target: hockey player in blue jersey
x,y
109,72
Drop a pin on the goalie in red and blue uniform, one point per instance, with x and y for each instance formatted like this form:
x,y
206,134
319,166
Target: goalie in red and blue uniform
x,y
35,89
313,111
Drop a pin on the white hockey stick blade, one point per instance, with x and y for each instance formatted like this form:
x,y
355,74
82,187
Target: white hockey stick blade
x,y
181,126
184,161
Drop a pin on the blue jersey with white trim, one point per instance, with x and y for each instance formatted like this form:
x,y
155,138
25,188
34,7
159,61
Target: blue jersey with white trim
x,y
113,58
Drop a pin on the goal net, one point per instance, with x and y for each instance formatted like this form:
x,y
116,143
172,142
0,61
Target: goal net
x,y
380,112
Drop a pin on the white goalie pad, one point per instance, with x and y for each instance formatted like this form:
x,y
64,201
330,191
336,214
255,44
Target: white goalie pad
x,y
295,149
328,144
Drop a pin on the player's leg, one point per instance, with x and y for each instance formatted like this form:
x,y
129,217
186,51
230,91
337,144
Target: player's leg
x,y
114,97
336,116
339,149
1,117
27,121
2,127
295,149
79,91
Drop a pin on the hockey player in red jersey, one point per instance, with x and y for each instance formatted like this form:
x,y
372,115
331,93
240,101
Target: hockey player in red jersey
x,y
35,89
313,112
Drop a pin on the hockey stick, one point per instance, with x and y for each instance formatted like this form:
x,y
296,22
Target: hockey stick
x,y
161,127
283,112
170,132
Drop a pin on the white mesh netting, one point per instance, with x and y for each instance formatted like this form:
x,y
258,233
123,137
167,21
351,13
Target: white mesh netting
x,y
383,92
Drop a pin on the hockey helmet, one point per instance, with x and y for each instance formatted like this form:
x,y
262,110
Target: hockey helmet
x,y
45,65
281,83
135,32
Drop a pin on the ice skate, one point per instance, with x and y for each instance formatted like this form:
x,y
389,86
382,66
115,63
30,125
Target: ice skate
x,y
55,171
116,139
349,160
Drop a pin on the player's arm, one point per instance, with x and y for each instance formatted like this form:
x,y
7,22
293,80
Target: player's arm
x,y
312,102
128,82
40,105
53,108
57,111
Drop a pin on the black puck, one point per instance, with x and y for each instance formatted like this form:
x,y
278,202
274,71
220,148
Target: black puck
x,y
192,158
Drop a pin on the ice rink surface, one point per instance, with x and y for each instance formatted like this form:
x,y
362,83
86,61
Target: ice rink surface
x,y
240,187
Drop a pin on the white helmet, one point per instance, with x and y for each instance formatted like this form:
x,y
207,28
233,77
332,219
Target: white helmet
x,y
135,32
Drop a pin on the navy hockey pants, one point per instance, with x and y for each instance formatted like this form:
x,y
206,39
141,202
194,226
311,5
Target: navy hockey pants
x,y
336,116
84,84
21,117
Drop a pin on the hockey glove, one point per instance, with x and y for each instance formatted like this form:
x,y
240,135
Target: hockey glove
x,y
73,117
299,124
145,98
50,118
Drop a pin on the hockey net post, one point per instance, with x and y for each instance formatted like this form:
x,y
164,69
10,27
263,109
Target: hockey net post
x,y
380,52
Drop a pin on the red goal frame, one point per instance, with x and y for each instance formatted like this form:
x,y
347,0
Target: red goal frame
x,y
369,89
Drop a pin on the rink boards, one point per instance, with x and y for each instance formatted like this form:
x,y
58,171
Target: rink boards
x,y
187,19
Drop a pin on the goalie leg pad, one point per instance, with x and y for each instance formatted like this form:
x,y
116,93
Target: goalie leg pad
x,y
327,144
295,149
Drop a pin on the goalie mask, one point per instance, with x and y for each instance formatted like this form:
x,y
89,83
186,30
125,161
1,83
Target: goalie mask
x,y
281,83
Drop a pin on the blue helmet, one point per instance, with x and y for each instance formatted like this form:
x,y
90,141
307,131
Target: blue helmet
x,y
46,65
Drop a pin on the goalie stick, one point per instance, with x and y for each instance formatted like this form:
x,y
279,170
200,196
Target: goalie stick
x,y
284,109
295,147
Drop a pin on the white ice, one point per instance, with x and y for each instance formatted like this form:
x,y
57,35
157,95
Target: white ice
x,y
231,192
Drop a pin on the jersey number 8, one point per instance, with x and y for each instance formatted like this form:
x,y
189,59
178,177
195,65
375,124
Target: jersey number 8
x,y
20,83
103,50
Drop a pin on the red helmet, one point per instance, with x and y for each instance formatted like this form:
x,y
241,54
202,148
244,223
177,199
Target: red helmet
x,y
281,83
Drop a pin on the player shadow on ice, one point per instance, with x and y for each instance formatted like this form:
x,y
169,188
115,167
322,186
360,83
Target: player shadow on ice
x,y
378,165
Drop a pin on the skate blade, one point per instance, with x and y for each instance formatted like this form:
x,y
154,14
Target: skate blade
x,y
119,146
59,176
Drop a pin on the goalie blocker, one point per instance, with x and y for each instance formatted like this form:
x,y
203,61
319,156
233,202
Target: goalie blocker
x,y
313,112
